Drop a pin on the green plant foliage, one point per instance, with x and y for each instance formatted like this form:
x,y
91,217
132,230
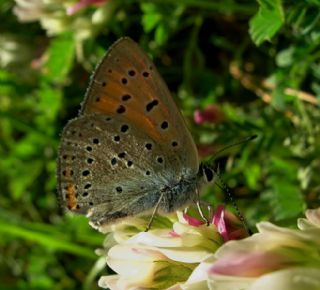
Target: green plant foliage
x,y
253,67
267,21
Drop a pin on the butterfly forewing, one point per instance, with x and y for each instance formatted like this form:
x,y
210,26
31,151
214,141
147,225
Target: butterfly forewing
x,y
128,143
126,83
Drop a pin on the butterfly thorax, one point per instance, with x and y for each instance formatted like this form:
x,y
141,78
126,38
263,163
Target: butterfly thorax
x,y
185,191
179,195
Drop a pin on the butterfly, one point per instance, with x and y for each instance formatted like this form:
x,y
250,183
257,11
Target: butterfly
x,y
129,151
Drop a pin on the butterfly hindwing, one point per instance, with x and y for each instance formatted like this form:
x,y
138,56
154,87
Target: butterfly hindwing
x,y
106,164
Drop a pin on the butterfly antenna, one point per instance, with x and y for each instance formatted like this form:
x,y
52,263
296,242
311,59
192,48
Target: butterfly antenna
x,y
226,189
232,145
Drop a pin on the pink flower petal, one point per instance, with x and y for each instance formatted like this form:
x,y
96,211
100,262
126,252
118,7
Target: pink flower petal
x,y
228,225
248,264
173,234
198,117
212,114
192,221
219,222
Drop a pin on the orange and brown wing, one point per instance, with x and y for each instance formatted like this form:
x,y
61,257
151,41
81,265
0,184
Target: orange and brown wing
x,y
126,84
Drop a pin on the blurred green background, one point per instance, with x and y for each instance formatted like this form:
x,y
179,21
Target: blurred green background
x,y
235,68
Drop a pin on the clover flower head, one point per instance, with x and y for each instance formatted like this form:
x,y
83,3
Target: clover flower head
x,y
164,257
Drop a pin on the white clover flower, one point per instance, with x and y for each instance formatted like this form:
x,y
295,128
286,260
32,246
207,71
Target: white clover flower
x,y
275,258
312,221
57,16
172,255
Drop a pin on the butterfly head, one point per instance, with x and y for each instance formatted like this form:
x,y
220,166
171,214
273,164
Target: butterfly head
x,y
206,173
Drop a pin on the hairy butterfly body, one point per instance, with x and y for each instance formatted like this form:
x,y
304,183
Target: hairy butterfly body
x,y
129,150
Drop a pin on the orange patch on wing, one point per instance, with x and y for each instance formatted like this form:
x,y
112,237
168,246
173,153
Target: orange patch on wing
x,y
71,196
110,106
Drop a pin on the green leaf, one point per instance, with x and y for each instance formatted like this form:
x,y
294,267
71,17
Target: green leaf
x,y
151,17
268,20
315,2
288,200
150,21
49,105
285,57
22,177
6,84
161,34
48,241
60,58
252,174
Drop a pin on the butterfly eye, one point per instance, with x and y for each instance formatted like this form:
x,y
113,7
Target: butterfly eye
x,y
208,173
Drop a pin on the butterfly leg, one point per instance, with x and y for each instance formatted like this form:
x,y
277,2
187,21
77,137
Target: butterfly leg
x,y
200,209
154,212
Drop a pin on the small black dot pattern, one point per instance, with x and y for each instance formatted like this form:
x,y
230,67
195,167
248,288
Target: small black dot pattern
x,y
120,158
